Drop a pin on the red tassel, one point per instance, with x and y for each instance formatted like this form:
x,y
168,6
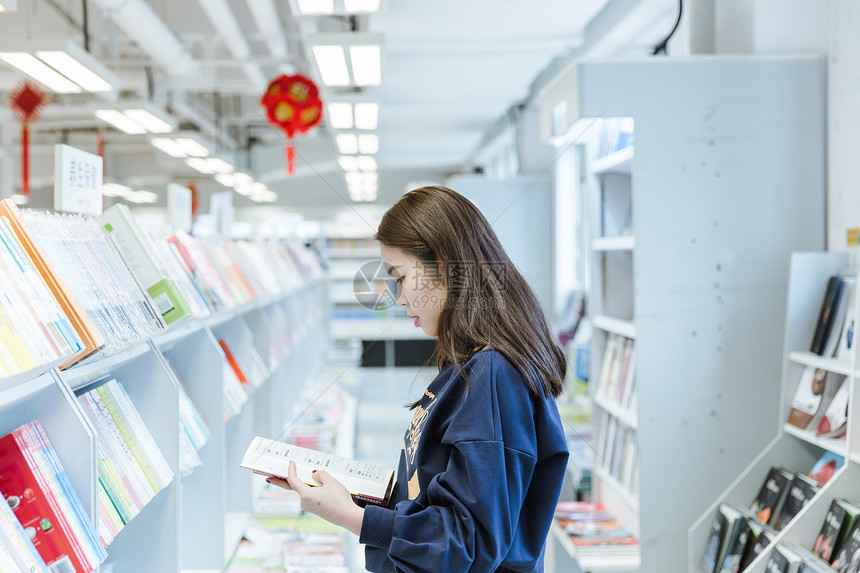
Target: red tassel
x,y
291,158
25,159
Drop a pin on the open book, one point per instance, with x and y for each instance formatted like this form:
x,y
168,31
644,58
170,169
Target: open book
x,y
368,483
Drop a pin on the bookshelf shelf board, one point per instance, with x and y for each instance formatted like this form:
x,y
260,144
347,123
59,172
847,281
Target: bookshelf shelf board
x,y
622,243
619,162
353,253
15,380
615,325
596,562
631,500
854,457
623,415
234,528
836,365
836,446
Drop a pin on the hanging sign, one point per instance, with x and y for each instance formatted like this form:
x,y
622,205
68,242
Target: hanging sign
x,y
77,181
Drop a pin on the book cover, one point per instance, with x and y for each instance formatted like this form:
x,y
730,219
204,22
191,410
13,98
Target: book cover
x,y
760,538
840,314
37,509
368,483
847,549
784,559
163,294
771,497
802,489
808,396
826,467
810,565
724,531
846,339
831,531
741,545
827,315
834,424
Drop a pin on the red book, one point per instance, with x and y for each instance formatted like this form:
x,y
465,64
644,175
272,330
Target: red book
x,y
233,364
36,508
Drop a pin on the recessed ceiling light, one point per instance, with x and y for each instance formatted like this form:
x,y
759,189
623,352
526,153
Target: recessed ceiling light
x,y
368,143
366,115
340,115
347,143
331,62
366,65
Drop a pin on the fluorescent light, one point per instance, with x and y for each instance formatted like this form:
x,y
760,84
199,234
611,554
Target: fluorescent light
x,y
75,71
120,121
200,164
169,146
366,65
145,197
242,178
340,115
331,62
368,143
243,189
316,6
361,5
366,163
192,147
40,72
149,121
347,143
115,190
358,177
366,115
226,179
219,165
348,162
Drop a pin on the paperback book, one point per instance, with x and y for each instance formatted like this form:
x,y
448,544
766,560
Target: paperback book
x,y
368,483
724,532
772,495
802,489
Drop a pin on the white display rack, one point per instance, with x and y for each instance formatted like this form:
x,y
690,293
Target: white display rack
x,y
684,258
793,448
195,522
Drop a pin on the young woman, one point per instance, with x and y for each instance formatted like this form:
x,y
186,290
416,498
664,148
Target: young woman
x,y
484,456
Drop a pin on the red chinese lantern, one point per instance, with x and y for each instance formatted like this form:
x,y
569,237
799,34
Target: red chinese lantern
x,y
292,104
27,102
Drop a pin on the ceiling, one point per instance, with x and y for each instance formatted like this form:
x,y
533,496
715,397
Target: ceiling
x,y
450,70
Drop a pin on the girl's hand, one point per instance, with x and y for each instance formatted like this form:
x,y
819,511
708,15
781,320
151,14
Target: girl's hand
x,y
330,500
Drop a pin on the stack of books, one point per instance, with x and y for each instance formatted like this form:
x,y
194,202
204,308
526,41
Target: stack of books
x,y
131,467
46,507
593,530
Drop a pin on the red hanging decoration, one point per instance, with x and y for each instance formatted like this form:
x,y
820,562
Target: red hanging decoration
x,y
27,102
293,105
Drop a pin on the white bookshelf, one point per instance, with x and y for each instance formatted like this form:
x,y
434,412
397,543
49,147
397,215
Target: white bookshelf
x,y
195,522
701,286
793,448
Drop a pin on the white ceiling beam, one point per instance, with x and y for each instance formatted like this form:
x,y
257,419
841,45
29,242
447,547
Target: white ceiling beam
x,y
225,23
137,19
269,23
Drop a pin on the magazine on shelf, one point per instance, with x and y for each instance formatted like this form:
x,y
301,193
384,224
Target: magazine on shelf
x,y
825,339
772,494
802,489
835,522
786,559
368,483
835,421
760,538
847,558
826,467
724,531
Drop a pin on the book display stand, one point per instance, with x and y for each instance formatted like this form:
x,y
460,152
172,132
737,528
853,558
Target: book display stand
x,y
791,447
195,521
689,264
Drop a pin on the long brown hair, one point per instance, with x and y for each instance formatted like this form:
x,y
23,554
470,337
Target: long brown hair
x,y
489,303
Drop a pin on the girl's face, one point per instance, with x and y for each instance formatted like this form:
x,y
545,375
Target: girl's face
x,y
420,288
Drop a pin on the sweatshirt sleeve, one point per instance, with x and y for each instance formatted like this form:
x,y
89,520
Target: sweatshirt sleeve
x,y
468,518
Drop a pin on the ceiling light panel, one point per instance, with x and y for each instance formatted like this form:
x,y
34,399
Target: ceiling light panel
x,y
347,143
355,6
120,121
75,71
192,147
340,115
331,62
200,164
366,64
40,72
366,163
151,122
348,162
169,146
8,5
312,7
366,115
368,144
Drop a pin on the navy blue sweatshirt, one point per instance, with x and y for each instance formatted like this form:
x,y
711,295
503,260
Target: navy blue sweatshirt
x,y
479,477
